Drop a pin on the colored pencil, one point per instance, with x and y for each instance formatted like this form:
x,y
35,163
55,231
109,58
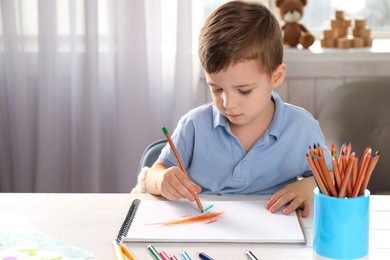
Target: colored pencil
x,y
362,172
118,251
326,175
348,178
373,161
250,255
336,172
317,175
168,136
128,252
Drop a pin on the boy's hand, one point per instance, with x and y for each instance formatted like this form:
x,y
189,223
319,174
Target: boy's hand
x,y
297,195
174,184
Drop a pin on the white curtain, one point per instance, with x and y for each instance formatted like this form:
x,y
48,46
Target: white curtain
x,y
85,86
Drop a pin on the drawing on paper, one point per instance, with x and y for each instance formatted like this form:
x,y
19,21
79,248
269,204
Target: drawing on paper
x,y
209,217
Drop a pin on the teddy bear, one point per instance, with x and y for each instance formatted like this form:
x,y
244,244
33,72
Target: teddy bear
x,y
294,33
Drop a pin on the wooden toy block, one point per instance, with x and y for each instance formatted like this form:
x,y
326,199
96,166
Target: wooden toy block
x,y
344,43
339,14
340,32
360,23
342,35
367,42
328,42
358,42
361,32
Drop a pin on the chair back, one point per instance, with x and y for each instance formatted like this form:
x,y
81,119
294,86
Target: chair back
x,y
151,153
359,112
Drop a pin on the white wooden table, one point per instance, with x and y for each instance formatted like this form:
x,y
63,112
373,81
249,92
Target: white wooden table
x,y
92,221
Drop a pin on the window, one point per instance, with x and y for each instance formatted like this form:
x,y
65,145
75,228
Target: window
x,y
319,12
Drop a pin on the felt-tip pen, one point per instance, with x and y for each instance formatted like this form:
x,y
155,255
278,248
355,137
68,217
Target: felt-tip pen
x,y
250,255
185,256
164,255
203,256
154,252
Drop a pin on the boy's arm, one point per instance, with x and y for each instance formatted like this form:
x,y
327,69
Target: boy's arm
x,y
295,195
171,182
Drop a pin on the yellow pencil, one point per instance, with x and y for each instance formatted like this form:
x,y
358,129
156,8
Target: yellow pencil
x,y
180,163
118,251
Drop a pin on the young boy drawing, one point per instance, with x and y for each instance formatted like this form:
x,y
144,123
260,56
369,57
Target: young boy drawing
x,y
247,141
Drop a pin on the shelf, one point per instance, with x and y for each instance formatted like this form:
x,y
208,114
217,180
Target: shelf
x,y
333,62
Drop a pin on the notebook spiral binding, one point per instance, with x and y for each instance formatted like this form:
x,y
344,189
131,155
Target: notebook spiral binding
x,y
128,220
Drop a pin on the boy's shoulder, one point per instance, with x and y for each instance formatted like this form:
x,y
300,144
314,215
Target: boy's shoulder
x,y
200,111
200,117
297,110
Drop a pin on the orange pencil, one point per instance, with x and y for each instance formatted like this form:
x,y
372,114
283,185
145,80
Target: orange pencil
x,y
373,161
346,178
336,172
320,174
167,135
128,253
348,150
333,150
342,150
327,177
362,171
317,175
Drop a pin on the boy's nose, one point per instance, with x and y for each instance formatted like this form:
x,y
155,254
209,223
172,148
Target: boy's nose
x,y
228,101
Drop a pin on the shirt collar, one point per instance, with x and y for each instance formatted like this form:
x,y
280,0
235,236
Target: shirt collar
x,y
218,119
276,124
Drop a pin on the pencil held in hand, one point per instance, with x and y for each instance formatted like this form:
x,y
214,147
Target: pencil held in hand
x,y
167,135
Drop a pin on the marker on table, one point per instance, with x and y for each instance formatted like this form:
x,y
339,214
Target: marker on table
x,y
250,255
203,256
154,253
185,256
164,255
167,135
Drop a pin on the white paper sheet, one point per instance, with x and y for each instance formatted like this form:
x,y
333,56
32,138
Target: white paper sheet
x,y
241,221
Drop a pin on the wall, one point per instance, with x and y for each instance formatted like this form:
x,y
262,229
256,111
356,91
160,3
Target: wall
x,y
312,74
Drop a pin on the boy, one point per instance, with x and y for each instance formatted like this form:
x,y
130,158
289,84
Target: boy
x,y
247,141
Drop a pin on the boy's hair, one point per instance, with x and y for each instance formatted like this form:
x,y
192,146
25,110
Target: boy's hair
x,y
238,31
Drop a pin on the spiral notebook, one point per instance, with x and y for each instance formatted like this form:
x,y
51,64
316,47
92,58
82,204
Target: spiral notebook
x,y
223,221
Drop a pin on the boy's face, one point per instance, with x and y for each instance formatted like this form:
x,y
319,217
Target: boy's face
x,y
242,92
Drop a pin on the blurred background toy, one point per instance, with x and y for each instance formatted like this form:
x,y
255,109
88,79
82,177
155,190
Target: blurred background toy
x,y
294,33
339,35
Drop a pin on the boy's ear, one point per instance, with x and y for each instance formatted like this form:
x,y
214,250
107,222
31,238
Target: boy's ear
x,y
278,75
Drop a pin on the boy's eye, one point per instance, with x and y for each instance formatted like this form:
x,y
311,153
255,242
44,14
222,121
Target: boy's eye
x,y
244,92
216,90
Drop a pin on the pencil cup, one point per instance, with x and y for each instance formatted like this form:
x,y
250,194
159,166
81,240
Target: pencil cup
x,y
341,226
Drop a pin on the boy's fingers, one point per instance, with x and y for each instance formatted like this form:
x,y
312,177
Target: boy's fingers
x,y
286,198
294,204
275,198
180,186
306,209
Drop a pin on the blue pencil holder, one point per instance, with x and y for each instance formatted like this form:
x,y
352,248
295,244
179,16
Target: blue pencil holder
x,y
341,226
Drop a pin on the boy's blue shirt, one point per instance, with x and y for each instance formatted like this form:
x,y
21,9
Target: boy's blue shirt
x,y
215,159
